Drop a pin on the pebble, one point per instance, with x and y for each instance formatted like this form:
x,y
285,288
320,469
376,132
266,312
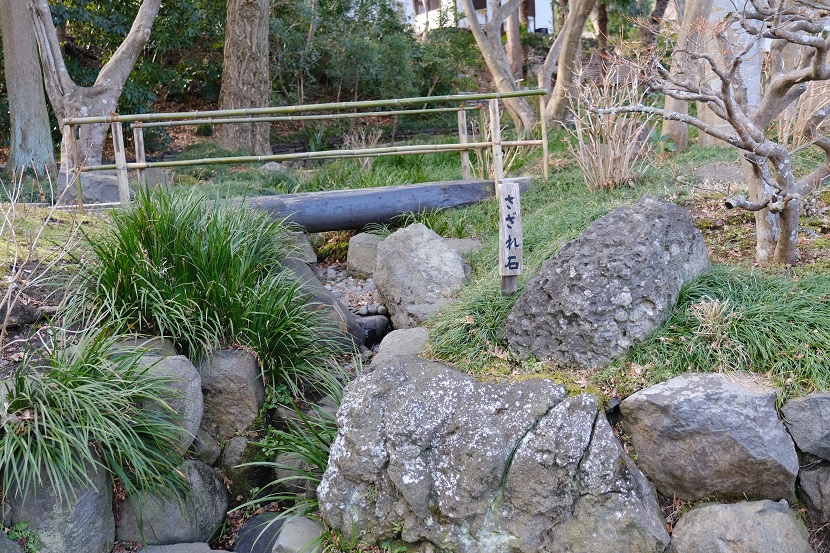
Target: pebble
x,y
359,296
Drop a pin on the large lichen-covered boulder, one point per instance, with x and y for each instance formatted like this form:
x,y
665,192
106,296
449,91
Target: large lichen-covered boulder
x,y
429,456
416,274
748,527
609,288
702,434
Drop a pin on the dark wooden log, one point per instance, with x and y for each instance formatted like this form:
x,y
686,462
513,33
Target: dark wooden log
x,y
355,208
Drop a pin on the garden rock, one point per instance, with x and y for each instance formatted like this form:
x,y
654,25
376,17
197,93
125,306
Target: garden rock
x,y
609,288
303,250
186,384
8,546
703,434
82,521
814,490
171,520
808,420
416,274
300,535
258,534
205,448
748,527
21,313
233,392
154,345
237,452
102,186
375,327
362,256
407,342
352,333
428,455
272,167
179,548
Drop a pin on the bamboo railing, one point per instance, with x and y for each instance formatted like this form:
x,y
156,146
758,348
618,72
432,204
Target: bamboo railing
x,y
286,113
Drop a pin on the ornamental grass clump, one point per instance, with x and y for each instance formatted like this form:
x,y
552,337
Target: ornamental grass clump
x,y
90,404
206,275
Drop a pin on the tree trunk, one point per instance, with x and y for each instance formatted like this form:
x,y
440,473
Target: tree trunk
x,y
571,33
245,78
766,223
101,99
514,46
489,43
648,32
602,27
682,66
524,14
30,144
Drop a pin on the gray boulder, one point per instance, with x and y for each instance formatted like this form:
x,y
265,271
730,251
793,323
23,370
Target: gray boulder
x,y
178,548
321,299
300,535
609,288
748,527
416,274
362,256
8,546
102,186
153,345
428,455
375,327
205,448
814,490
703,434
168,519
407,342
233,392
258,534
302,248
808,420
81,521
23,312
186,385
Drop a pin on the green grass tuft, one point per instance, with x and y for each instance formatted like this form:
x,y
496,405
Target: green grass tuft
x,y
206,275
90,405
731,319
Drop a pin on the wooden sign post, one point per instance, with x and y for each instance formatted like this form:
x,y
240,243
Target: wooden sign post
x,y
510,218
510,236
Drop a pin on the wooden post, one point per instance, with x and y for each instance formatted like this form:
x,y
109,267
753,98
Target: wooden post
x,y
138,140
495,137
510,235
120,163
544,123
76,167
462,139
510,255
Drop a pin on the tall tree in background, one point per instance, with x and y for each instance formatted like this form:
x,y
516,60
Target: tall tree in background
x,y
30,143
489,42
245,77
70,100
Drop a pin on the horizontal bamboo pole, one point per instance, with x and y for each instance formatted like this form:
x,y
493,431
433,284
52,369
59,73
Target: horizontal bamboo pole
x,y
521,143
219,121
369,152
299,109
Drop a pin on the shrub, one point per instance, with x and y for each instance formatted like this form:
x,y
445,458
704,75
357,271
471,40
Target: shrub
x,y
609,147
206,275
88,404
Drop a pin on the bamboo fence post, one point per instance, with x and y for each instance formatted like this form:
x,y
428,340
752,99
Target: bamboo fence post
x,y
138,140
76,167
544,124
120,163
462,139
